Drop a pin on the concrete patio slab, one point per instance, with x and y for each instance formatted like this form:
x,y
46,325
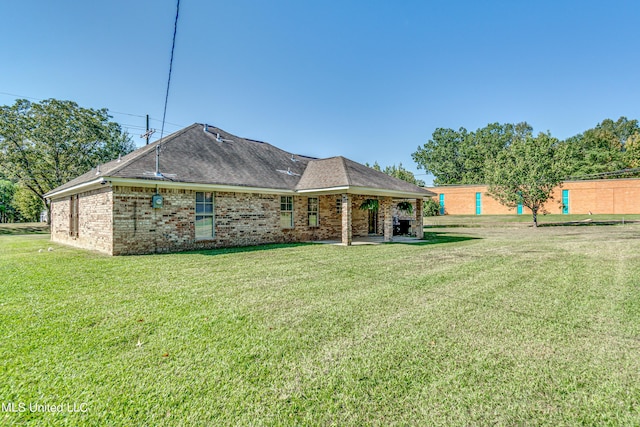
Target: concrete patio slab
x,y
371,240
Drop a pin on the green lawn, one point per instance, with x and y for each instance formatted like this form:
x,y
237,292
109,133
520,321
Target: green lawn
x,y
24,228
525,220
479,326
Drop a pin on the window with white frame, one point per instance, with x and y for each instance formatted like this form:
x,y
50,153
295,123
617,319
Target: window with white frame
x,y
313,212
286,211
205,228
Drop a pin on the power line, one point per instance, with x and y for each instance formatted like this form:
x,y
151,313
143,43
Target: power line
x,y
110,111
173,45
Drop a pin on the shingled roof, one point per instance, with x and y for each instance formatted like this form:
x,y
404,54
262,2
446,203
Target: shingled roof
x,y
202,154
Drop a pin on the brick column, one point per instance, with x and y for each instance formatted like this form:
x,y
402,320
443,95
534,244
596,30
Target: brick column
x,y
347,232
388,219
419,224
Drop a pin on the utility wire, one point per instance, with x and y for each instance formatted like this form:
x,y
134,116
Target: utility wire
x,y
173,45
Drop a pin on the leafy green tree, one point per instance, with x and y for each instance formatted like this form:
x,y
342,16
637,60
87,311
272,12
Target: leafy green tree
x,y
398,172
632,151
441,156
459,157
7,210
526,172
602,149
43,145
28,204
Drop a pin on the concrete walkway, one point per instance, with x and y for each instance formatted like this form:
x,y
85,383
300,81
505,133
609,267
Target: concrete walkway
x,y
371,240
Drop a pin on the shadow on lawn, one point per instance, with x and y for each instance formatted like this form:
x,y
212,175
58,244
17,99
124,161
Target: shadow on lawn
x,y
241,249
433,238
17,229
585,223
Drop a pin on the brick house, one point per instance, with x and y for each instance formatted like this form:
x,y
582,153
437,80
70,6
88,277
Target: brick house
x,y
202,188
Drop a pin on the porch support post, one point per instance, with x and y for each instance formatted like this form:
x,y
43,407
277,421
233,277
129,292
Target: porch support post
x,y
419,219
388,219
347,233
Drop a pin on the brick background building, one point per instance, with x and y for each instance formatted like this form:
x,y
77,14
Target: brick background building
x,y
603,196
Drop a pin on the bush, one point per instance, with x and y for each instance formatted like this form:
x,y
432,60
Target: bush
x,y
431,208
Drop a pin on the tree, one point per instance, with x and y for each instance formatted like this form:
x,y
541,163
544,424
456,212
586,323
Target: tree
x,y
43,145
603,148
398,172
7,210
28,205
441,157
526,172
458,157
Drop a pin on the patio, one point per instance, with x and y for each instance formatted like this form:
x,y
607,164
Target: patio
x,y
371,240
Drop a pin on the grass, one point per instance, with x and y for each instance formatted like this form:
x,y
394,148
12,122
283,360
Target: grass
x,y
526,220
24,228
481,326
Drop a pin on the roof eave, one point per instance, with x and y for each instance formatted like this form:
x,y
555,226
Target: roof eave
x,y
371,191
132,182
85,186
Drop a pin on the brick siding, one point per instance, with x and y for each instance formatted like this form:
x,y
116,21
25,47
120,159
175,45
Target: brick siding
x,y
121,220
94,221
604,196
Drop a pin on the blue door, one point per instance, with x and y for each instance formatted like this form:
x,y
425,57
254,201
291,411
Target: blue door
x,y
441,204
478,203
520,203
565,201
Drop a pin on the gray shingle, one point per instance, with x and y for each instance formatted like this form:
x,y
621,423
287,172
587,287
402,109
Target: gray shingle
x,y
208,155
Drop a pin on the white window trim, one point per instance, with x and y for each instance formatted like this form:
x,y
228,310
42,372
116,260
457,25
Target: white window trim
x,y
284,201
312,212
202,214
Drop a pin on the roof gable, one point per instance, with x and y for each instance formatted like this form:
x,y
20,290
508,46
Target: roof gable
x,y
339,172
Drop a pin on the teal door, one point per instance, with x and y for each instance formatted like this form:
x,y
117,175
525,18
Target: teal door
x,y
478,203
442,204
520,203
565,201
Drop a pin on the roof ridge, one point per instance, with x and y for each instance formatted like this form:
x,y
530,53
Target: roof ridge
x,y
345,169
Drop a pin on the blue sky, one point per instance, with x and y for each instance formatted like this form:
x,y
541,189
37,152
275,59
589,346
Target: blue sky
x,y
370,80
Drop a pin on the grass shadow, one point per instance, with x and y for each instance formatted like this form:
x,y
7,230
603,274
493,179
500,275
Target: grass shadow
x,y
18,229
586,223
240,249
433,238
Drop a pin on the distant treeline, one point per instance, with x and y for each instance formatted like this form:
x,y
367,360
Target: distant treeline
x,y
608,150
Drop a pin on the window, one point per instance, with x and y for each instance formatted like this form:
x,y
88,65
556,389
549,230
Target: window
x,y
204,215
478,203
73,216
286,211
338,206
313,212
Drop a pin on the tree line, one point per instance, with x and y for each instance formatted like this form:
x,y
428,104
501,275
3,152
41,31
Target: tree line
x,y
46,144
521,168
467,157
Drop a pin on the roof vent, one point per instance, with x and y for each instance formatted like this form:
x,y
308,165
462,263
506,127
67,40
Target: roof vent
x,y
288,172
220,139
